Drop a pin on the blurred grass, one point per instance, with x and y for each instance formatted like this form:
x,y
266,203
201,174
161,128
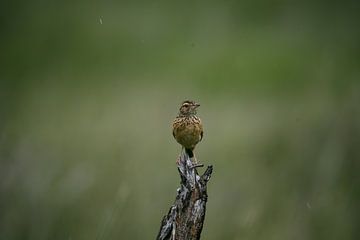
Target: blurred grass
x,y
86,150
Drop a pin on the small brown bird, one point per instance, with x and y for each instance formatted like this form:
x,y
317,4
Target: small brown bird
x,y
187,127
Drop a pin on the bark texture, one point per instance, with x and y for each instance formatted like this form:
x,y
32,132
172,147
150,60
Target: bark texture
x,y
185,218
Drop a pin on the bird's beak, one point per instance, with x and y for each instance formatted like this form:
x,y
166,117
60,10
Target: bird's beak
x,y
197,105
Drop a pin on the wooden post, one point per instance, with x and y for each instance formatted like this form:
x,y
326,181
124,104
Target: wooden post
x,y
185,218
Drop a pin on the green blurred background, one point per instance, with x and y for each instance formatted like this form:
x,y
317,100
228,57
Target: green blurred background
x,y
89,89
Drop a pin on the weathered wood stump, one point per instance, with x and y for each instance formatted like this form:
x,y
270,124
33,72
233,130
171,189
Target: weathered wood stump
x,y
185,218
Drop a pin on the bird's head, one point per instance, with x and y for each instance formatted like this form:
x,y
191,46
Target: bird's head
x,y
188,108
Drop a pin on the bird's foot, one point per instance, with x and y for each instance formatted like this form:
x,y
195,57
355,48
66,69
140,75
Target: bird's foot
x,y
195,163
178,160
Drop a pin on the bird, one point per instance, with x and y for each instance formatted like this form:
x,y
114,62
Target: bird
x,y
187,127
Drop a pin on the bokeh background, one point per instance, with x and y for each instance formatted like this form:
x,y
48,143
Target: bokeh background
x,y
89,90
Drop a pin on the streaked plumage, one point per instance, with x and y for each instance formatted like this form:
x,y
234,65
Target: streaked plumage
x,y
187,127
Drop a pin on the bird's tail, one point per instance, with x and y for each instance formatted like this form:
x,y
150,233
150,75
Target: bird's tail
x,y
189,152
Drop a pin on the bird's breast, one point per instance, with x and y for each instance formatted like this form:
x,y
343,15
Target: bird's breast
x,y
187,131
